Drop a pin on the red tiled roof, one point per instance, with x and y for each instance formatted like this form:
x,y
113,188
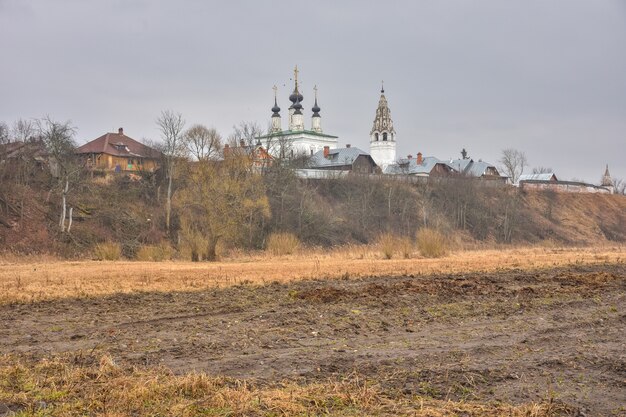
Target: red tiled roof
x,y
118,144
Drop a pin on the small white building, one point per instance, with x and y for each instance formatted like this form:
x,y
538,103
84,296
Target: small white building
x,y
542,176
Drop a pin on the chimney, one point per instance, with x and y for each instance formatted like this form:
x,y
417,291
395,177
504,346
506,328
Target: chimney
x,y
326,151
419,158
410,156
120,131
348,145
226,149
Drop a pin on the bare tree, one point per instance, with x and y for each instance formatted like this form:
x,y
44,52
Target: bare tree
x,y
59,141
23,130
203,143
619,186
248,132
280,147
173,147
542,170
4,133
221,202
513,163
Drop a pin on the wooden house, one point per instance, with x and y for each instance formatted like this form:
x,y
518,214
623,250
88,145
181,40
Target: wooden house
x,y
343,159
419,167
119,153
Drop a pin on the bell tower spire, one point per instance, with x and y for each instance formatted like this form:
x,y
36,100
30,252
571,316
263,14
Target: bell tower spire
x,y
607,181
383,134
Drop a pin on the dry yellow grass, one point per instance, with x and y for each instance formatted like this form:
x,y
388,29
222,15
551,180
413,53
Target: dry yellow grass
x,y
24,281
77,385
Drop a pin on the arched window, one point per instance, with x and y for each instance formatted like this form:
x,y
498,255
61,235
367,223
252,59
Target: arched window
x,y
385,136
376,136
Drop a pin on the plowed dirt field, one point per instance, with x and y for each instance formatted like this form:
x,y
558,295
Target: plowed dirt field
x,y
514,336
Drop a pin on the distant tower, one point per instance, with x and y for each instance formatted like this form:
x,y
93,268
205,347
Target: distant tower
x,y
383,135
607,181
316,120
296,121
276,125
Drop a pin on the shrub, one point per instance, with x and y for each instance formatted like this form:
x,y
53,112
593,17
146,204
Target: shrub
x,y
431,243
405,246
388,244
154,253
108,251
282,243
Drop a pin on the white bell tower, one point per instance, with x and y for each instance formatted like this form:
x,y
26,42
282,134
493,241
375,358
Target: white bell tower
x,y
383,135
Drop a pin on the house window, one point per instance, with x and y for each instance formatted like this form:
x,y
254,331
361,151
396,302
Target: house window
x,y
385,136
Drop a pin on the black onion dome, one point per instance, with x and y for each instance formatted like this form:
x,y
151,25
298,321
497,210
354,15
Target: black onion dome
x,y
297,107
275,109
316,109
295,96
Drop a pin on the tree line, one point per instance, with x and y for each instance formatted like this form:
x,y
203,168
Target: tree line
x,y
203,199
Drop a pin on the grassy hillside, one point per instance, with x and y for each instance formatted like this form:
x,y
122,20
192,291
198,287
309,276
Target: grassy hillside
x,y
130,212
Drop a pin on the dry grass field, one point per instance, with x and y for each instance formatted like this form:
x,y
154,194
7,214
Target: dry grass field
x,y
100,387
27,280
532,332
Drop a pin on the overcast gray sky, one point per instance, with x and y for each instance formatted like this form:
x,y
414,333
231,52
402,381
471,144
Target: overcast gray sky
x,y
544,76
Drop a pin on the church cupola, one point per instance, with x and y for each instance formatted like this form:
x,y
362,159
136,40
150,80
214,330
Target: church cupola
x,y
316,120
383,134
276,124
296,121
293,139
607,181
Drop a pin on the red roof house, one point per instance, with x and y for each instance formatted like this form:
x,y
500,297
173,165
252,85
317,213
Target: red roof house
x,y
118,152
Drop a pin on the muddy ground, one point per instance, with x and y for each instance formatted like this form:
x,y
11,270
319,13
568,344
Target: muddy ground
x,y
514,336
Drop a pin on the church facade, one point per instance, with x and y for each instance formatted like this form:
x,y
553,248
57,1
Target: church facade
x,y
296,140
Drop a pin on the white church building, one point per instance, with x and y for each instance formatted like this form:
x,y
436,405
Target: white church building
x,y
296,139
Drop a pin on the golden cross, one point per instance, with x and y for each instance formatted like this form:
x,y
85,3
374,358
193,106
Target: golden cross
x,y
295,73
275,90
315,89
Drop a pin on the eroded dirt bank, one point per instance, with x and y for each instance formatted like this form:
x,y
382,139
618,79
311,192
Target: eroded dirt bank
x,y
517,336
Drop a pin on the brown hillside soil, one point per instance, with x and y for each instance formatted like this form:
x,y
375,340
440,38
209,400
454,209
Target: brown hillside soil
x,y
517,336
575,218
22,280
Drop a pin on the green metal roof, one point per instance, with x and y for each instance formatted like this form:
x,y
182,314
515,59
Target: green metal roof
x,y
296,132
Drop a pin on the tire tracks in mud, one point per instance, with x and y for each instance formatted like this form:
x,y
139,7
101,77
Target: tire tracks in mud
x,y
512,336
